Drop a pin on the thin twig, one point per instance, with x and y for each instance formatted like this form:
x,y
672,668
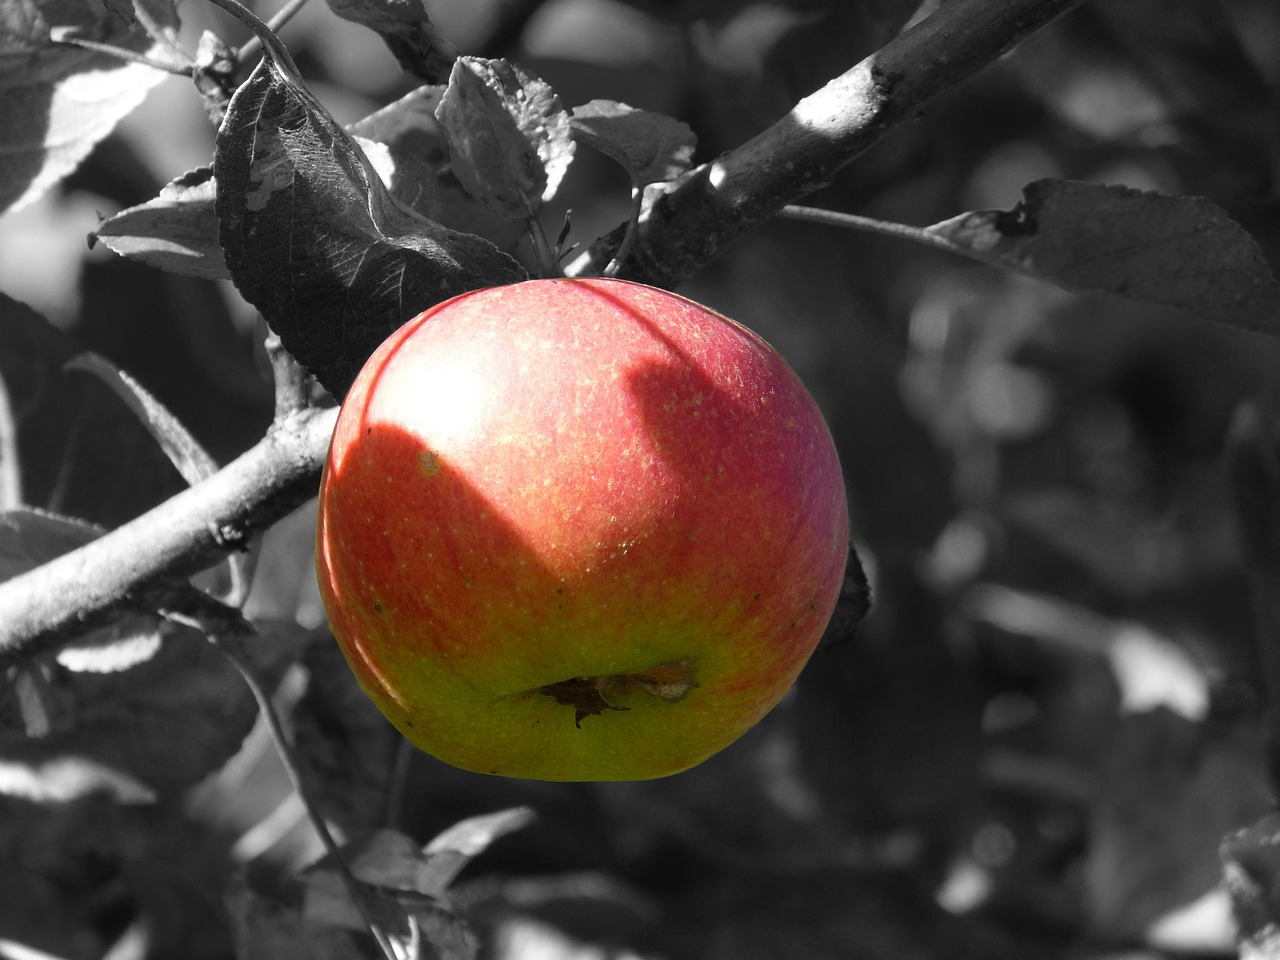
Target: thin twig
x,y
252,47
263,34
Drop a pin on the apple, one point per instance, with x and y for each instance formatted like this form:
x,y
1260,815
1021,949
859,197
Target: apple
x,y
578,530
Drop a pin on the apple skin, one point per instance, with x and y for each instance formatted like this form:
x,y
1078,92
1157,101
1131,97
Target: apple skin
x,y
578,530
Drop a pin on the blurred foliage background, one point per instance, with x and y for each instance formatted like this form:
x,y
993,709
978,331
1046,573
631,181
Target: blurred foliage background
x,y
1037,740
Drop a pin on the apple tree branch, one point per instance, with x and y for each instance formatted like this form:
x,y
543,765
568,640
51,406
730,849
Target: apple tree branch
x,y
689,222
686,225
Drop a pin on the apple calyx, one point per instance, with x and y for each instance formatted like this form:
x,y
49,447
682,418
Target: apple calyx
x,y
591,696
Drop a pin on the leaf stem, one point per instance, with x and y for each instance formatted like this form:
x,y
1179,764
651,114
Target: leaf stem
x,y
629,236
225,628
543,251
853,221
265,36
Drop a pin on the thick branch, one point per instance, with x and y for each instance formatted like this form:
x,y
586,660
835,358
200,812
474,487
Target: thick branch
x,y
135,564
690,222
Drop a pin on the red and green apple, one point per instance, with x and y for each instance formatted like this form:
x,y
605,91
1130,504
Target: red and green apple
x,y
578,530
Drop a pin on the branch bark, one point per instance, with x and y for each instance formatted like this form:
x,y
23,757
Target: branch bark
x,y
691,221
687,224
135,565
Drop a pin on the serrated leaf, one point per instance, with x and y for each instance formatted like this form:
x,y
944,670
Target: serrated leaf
x,y
651,147
315,241
407,31
1178,252
509,138
177,231
58,101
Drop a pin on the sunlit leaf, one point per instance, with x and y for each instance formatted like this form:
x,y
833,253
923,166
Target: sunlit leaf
x,y
58,101
423,177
